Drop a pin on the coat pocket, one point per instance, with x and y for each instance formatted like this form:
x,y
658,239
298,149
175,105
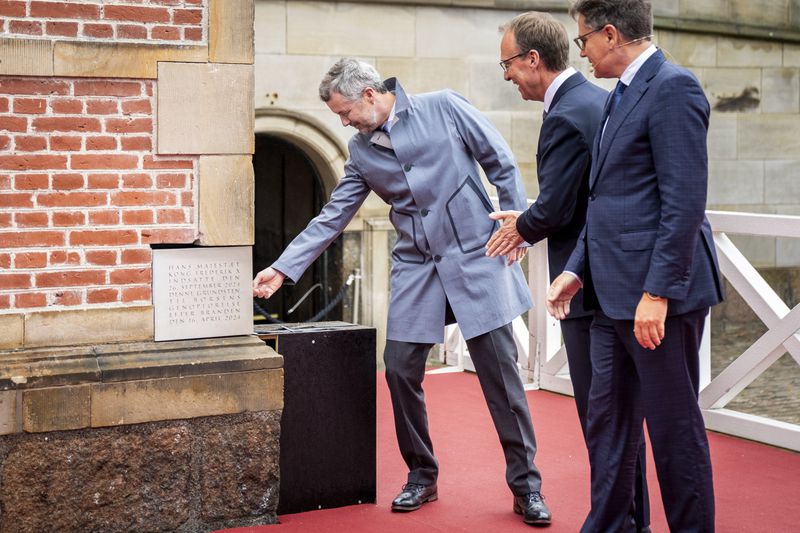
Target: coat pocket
x,y
468,210
638,240
406,248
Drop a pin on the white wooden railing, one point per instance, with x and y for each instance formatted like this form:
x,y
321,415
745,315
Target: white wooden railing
x,y
543,361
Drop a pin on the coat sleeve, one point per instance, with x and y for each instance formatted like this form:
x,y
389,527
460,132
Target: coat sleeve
x,y
347,197
563,159
678,130
489,149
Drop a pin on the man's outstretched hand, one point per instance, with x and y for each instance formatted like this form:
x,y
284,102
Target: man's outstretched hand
x,y
267,282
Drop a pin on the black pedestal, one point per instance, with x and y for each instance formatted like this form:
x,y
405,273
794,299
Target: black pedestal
x,y
328,428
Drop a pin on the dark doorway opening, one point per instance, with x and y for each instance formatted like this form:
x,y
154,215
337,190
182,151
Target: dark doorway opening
x,y
288,194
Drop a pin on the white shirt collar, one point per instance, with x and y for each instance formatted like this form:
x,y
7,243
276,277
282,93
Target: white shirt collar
x,y
551,91
390,121
636,64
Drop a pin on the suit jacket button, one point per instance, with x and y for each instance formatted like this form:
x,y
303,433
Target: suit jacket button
x,y
424,212
591,197
407,167
437,258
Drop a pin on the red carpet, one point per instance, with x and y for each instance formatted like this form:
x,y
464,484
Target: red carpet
x,y
757,487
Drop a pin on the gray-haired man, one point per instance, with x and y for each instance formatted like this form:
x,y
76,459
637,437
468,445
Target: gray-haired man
x,y
420,154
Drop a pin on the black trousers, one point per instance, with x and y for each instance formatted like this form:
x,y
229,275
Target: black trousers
x,y
576,339
629,384
494,355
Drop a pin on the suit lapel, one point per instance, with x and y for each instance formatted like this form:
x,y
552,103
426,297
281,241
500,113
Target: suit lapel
x,y
630,99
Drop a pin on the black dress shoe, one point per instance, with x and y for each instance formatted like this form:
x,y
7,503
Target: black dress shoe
x,y
413,496
533,509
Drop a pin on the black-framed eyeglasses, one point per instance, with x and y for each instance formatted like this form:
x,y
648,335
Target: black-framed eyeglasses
x,y
580,40
504,63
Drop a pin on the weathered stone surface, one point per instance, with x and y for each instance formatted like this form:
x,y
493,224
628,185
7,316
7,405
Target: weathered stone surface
x,y
781,87
227,201
713,9
769,136
118,60
26,57
666,8
217,119
62,328
760,251
298,91
8,412
502,120
761,12
12,331
469,33
270,27
490,92
733,90
194,475
736,182
722,136
525,134
687,49
421,75
787,252
791,53
748,53
56,408
230,31
782,182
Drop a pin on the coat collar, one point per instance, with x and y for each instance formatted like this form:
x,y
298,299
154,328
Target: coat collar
x,y
401,105
569,84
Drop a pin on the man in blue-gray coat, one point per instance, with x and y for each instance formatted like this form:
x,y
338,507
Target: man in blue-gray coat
x,y
420,154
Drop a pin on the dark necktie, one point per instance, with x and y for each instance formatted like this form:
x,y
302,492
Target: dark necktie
x,y
544,115
616,96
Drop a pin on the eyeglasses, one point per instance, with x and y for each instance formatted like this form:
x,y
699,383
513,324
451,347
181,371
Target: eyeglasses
x,y
580,40
504,63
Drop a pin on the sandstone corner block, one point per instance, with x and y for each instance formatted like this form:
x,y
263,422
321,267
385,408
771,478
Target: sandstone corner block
x,y
230,29
227,199
56,409
64,328
12,331
26,57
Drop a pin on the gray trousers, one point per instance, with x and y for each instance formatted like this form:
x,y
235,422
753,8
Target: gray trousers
x,y
494,355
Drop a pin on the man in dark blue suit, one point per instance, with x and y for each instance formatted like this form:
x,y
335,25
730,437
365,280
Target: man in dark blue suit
x,y
647,263
535,53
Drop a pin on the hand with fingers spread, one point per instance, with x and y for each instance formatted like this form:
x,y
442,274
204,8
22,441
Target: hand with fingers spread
x,y
506,239
516,255
648,324
267,282
560,294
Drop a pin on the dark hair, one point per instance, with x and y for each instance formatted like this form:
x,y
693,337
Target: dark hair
x,y
541,32
633,18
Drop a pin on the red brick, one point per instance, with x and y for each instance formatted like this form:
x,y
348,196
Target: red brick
x,y
5,182
197,2
31,220
67,298
137,217
15,281
14,124
30,299
33,86
168,236
11,8
5,260
69,218
68,10
130,276
31,181
102,162
150,163
143,198
5,301
136,181
171,216
72,199
62,257
148,88
166,2
30,106
5,142
136,14
66,144
136,294
103,238
102,296
137,144
66,106
16,199
129,125
101,143
30,143
130,31
4,107
171,181
108,88
102,107
106,217
165,33
63,182
73,278
101,257
133,107
33,162
79,124
103,181
103,31
136,256
187,16
30,260
193,34
27,27
18,239
5,221
64,29
187,199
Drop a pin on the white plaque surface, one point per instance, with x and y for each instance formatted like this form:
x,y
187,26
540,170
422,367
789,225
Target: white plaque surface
x,y
202,292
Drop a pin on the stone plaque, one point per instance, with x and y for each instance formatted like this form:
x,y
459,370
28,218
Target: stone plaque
x,y
202,292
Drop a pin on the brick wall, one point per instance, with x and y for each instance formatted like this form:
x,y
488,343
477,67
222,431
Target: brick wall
x,y
173,21
81,194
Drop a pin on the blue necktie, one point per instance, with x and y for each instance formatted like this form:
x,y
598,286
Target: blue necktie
x,y
617,96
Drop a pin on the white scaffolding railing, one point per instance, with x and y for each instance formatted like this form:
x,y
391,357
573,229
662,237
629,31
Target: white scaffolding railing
x,y
543,360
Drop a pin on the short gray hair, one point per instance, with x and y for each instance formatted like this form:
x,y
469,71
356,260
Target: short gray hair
x,y
349,77
633,18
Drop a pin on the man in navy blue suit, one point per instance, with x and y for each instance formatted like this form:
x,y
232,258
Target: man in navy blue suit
x,y
534,54
647,264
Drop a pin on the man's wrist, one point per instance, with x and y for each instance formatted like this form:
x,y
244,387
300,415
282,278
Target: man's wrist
x,y
654,297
